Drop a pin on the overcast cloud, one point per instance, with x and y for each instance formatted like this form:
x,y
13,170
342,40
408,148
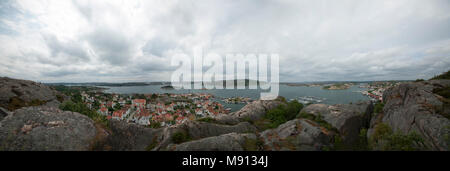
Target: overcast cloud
x,y
120,41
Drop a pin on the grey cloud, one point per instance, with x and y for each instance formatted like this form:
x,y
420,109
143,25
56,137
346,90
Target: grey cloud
x,y
317,40
58,73
71,48
111,46
158,46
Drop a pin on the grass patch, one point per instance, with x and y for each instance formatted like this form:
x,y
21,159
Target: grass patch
x,y
17,103
247,119
262,124
319,120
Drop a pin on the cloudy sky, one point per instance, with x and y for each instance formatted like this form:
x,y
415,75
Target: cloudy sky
x,y
120,41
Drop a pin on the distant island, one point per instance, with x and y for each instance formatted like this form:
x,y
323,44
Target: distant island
x,y
127,84
338,86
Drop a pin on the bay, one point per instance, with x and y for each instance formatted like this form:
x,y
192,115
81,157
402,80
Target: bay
x,y
303,94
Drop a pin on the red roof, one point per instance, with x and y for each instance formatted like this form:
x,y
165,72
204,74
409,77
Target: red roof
x,y
143,112
104,109
142,101
119,113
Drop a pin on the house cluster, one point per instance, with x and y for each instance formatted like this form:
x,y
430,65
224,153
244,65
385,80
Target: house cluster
x,y
375,90
237,100
164,109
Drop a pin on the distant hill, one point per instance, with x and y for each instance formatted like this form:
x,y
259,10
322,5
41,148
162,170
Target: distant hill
x,y
109,84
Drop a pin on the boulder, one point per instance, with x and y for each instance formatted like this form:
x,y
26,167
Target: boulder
x,y
197,130
130,137
348,119
225,142
413,107
226,119
16,93
297,134
46,128
255,110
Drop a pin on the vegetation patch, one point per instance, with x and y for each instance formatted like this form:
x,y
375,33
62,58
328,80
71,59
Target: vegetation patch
x,y
360,145
253,144
378,107
152,145
154,125
444,92
181,137
60,98
83,109
319,120
443,110
445,75
282,114
262,124
70,90
17,103
207,119
385,139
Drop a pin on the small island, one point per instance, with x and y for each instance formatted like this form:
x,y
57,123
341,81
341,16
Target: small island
x,y
168,87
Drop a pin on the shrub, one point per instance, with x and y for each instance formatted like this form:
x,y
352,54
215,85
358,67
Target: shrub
x,y
154,125
399,142
283,113
180,137
362,144
60,98
338,143
83,109
444,92
276,116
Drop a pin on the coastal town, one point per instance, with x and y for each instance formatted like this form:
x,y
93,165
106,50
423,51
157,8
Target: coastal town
x,y
154,110
166,109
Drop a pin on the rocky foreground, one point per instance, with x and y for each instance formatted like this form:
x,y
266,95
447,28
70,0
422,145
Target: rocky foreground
x,y
409,108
